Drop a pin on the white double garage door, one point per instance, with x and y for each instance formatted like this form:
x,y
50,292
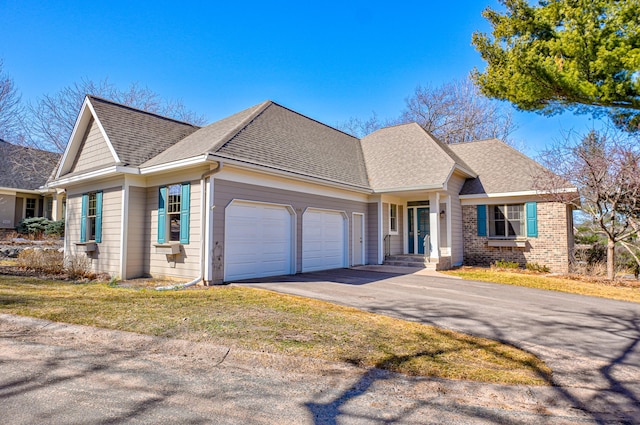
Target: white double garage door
x,y
260,240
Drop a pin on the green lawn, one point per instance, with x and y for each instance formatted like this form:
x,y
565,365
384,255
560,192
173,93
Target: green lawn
x,y
260,320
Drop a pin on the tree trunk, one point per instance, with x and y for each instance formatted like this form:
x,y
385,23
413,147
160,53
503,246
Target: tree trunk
x,y
611,259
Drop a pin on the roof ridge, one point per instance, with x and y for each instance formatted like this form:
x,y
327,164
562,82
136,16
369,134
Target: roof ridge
x,y
315,120
139,110
447,150
260,108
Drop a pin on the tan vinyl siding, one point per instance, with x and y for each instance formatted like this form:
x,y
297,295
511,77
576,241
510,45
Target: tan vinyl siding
x,y
94,151
371,232
457,248
187,263
397,245
136,242
225,191
106,258
7,211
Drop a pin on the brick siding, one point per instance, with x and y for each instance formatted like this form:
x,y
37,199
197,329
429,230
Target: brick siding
x,y
551,248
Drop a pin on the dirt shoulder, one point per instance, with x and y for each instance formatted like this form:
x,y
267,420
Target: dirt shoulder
x,y
123,376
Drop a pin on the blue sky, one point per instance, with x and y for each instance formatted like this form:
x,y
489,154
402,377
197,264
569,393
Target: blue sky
x,y
328,60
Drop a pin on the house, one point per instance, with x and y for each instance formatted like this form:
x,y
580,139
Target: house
x,y
23,171
268,191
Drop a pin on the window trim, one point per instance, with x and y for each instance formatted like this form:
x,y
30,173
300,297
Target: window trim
x,y
84,218
164,222
523,222
393,219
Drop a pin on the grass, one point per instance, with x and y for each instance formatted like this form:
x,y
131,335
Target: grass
x,y
260,320
572,286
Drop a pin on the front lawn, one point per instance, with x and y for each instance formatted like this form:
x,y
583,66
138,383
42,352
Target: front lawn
x,y
598,288
260,320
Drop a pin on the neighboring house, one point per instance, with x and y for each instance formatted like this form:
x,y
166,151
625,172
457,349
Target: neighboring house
x,y
22,172
268,192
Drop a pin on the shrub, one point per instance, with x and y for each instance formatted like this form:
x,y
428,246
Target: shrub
x,y
34,225
55,228
502,264
78,267
535,267
41,260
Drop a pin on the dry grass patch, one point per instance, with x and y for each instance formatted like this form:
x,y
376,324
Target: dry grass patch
x,y
595,288
261,320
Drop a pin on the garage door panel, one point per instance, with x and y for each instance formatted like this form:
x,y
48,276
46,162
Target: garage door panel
x,y
323,240
258,240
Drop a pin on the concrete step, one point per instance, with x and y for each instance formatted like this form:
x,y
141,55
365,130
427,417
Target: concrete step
x,y
410,260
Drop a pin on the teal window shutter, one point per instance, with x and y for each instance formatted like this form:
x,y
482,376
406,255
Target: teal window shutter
x,y
98,217
482,219
185,201
162,214
83,218
532,219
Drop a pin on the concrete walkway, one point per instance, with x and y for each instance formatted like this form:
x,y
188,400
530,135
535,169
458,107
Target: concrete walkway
x,y
590,343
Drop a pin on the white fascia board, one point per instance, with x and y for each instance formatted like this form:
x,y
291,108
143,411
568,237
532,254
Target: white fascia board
x,y
291,175
196,160
72,138
520,193
437,186
104,134
75,139
103,172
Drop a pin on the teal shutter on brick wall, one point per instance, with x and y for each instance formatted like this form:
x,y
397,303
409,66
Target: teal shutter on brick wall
x,y
532,219
185,200
482,219
162,214
83,218
98,217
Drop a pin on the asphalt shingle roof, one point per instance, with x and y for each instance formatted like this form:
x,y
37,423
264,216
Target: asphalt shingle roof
x,y
406,156
25,168
206,139
136,135
500,168
280,138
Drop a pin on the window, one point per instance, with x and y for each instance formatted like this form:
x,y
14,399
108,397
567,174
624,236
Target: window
x,y
173,213
49,209
393,218
91,219
30,210
506,221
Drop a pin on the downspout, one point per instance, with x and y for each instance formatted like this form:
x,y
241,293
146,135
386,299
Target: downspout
x,y
203,221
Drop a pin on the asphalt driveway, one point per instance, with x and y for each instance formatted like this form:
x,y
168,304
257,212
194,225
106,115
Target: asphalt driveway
x,y
590,343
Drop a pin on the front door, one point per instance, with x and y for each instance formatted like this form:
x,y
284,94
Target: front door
x,y
418,222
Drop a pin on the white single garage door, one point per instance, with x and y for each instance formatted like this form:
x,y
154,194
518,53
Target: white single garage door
x,y
258,240
323,240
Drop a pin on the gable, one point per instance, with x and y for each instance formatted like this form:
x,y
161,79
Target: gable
x,y
93,152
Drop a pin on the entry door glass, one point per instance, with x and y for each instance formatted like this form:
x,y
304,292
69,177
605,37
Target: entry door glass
x,y
423,227
411,232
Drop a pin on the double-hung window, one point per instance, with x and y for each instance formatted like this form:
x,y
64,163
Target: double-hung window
x,y
507,221
30,210
173,213
91,218
393,218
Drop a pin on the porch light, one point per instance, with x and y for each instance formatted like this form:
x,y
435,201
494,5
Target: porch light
x,y
442,214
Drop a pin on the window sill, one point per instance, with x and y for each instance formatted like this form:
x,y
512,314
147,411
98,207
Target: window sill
x,y
513,243
172,248
86,246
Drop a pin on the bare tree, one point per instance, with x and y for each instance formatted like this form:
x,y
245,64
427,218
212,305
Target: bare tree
x,y
454,112
52,117
457,112
11,110
605,167
360,128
